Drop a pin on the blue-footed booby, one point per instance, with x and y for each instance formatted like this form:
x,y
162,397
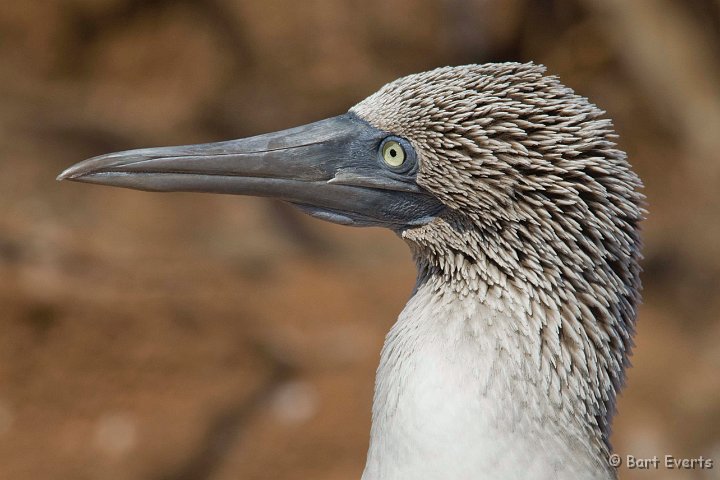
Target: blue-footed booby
x,y
522,216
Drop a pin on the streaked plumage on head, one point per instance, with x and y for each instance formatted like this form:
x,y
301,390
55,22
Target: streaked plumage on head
x,y
543,217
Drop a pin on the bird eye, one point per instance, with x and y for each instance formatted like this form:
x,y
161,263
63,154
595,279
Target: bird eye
x,y
393,153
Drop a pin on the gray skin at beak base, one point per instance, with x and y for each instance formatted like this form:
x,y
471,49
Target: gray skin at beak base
x,y
331,169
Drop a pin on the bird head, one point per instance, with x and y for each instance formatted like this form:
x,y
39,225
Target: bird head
x,y
497,169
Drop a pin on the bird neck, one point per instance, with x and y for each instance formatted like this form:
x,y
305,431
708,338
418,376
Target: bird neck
x,y
464,392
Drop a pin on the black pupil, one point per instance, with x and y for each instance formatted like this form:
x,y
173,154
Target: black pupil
x,y
393,153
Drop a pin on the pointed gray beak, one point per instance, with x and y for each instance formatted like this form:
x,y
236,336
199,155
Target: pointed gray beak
x,y
331,169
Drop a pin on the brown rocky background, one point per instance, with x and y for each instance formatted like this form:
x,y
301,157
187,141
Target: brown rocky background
x,y
191,337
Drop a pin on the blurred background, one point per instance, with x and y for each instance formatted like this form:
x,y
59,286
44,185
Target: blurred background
x,y
191,337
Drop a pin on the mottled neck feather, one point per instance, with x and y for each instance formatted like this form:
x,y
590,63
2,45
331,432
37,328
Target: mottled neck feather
x,y
577,316
486,375
466,390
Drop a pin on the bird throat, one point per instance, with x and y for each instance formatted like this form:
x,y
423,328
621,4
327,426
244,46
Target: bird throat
x,y
461,393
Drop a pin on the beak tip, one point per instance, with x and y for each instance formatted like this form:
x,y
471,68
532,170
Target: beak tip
x,y
67,174
77,171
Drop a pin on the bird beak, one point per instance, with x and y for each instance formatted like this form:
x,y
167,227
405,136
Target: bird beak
x,y
330,169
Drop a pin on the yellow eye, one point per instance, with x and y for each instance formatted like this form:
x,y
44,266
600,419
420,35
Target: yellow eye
x,y
393,153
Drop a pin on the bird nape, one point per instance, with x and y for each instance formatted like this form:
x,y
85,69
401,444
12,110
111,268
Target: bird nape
x,y
522,216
